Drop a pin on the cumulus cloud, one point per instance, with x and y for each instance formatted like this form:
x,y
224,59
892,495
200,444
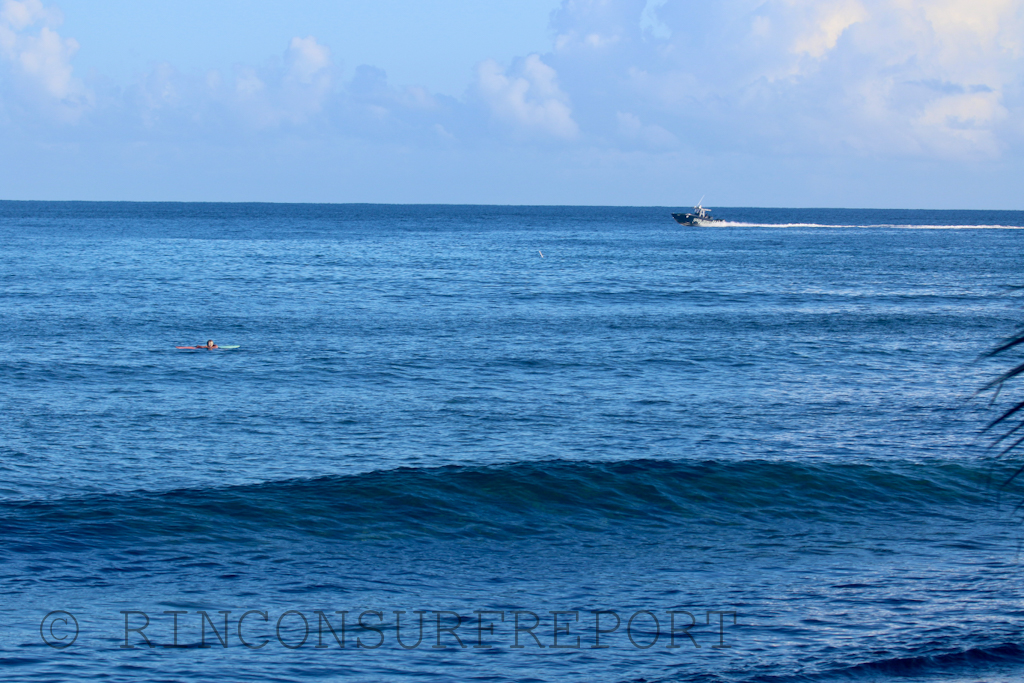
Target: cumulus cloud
x,y
39,59
652,81
925,78
919,78
300,97
290,91
815,27
651,135
308,61
882,59
650,22
293,94
529,99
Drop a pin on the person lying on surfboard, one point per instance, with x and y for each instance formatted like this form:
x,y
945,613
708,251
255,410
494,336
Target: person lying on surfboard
x,y
209,345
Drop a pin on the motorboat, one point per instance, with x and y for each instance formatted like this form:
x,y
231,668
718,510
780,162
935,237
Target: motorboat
x,y
699,216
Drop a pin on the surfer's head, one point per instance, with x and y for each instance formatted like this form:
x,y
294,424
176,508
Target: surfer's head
x,y
209,342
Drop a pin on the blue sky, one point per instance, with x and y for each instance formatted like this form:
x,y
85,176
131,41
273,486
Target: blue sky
x,y
885,103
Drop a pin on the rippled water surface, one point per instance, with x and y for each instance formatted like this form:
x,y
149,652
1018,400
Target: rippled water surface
x,y
761,435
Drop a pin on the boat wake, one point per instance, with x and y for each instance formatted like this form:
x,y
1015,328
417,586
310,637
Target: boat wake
x,y
895,226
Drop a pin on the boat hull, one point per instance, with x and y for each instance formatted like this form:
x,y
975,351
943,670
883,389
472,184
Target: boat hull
x,y
690,219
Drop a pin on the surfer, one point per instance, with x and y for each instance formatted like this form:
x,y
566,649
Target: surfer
x,y
208,346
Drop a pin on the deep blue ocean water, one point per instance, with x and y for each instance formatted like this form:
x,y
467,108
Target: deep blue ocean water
x,y
502,413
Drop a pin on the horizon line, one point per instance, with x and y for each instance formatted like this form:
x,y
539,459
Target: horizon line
x,y
451,204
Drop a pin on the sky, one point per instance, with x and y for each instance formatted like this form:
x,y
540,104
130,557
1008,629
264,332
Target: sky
x,y
824,103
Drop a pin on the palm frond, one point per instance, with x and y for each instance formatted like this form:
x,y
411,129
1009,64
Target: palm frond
x,y
1007,426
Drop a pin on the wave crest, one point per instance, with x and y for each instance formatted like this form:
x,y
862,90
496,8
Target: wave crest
x,y
522,499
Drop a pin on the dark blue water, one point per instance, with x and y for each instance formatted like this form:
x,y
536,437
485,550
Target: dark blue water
x,y
501,413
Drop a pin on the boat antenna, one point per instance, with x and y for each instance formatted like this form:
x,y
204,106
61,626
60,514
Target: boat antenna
x,y
701,200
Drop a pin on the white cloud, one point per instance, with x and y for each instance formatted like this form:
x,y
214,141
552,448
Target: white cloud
x,y
964,122
248,85
301,93
46,57
651,135
828,22
308,60
292,91
20,15
650,22
648,80
918,78
272,96
40,59
530,100
309,79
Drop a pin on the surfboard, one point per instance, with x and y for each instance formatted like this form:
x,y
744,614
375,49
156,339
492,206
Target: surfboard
x,y
235,346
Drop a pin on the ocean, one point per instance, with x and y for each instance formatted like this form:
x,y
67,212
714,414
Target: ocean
x,y
505,444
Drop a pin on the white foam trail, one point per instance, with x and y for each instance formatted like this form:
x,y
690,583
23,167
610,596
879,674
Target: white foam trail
x,y
737,224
